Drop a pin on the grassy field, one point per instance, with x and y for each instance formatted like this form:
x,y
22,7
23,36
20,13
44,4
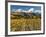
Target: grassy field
x,y
25,24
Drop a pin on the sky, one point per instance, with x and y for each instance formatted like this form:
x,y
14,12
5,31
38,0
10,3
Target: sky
x,y
35,8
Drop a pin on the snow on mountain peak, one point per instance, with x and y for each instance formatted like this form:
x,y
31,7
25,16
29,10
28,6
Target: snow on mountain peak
x,y
27,11
31,9
20,10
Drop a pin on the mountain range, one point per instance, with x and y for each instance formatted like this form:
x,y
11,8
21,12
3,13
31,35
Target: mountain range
x,y
26,11
25,14
29,12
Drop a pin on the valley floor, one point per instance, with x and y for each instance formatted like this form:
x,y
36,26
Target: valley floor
x,y
25,24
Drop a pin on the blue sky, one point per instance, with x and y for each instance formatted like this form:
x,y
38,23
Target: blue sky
x,y
15,7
